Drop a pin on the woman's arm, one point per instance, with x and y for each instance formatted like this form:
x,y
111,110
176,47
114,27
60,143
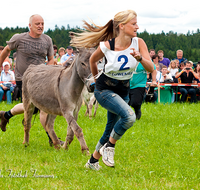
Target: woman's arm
x,y
95,57
195,74
143,56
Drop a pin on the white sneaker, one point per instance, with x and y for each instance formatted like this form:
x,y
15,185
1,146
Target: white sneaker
x,y
107,155
93,166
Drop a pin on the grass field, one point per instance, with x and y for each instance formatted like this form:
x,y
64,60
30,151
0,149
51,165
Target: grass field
x,y
161,151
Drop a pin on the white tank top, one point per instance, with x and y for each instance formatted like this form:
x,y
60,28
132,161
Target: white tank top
x,y
120,64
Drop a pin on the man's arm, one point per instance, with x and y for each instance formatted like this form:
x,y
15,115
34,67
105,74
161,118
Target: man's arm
x,y
4,54
50,60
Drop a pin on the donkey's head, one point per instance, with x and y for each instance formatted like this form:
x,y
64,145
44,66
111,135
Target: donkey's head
x,y
82,63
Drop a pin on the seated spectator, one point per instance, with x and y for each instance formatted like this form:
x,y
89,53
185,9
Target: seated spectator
x,y
166,92
173,69
165,61
192,64
187,75
197,81
61,52
181,66
55,49
7,77
158,74
177,62
68,57
152,52
164,75
156,61
179,56
1,49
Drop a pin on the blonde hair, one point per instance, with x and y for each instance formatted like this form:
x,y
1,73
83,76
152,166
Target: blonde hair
x,y
170,65
94,34
61,49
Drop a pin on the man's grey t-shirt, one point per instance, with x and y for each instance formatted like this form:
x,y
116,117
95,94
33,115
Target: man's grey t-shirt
x,y
29,51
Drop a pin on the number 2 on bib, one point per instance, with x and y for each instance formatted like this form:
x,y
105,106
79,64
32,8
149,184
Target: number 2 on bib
x,y
125,62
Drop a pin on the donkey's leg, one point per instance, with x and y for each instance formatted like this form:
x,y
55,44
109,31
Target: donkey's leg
x,y
69,138
95,107
87,110
77,131
90,111
50,129
28,113
90,106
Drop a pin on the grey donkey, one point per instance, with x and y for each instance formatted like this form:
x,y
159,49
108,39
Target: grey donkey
x,y
56,90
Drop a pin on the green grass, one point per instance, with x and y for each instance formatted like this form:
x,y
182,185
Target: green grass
x,y
161,151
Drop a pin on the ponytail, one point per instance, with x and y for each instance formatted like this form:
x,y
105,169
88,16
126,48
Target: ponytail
x,y
93,35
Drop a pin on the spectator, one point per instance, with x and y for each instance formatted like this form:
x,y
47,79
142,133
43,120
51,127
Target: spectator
x,y
166,92
7,77
1,49
197,81
181,66
61,52
137,88
173,69
179,56
165,75
69,56
152,52
187,75
177,62
156,61
192,64
163,60
55,49
158,74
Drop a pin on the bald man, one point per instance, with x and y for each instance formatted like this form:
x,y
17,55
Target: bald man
x,y
32,48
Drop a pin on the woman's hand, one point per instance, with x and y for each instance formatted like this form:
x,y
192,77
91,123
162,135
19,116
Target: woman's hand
x,y
136,54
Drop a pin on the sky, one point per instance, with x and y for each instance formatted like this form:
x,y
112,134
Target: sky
x,y
154,16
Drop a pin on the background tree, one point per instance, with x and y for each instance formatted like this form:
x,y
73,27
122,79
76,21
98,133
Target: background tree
x,y
168,42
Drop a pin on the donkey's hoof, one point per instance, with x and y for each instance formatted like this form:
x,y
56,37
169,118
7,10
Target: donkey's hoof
x,y
26,144
86,152
51,142
57,146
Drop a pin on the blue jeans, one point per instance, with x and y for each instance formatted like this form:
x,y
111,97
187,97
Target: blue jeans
x,y
8,94
185,91
120,115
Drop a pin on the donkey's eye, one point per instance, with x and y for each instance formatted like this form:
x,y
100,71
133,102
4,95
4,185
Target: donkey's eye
x,y
83,64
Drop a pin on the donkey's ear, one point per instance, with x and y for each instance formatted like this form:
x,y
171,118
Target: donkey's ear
x,y
71,34
81,49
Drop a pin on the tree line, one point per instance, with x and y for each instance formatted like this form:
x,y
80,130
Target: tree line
x,y
168,42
